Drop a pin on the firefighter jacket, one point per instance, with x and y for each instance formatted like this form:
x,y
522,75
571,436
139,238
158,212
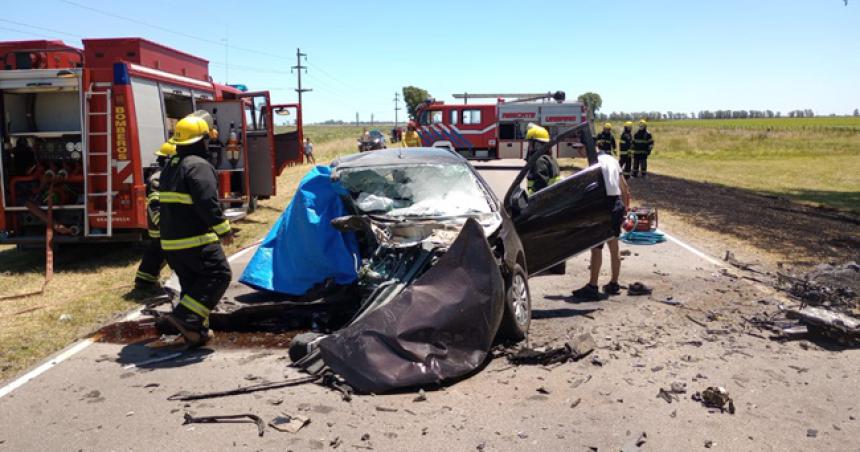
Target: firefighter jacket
x,y
626,142
643,142
544,174
191,215
153,206
411,139
605,141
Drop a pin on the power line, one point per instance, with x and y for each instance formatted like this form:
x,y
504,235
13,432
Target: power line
x,y
171,30
22,32
41,28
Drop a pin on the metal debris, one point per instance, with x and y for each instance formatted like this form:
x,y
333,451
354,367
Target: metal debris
x,y
184,396
421,397
635,444
289,423
573,350
230,418
716,397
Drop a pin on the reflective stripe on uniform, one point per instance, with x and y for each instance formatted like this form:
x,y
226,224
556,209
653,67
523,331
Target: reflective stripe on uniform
x,y
154,233
146,276
195,307
172,197
222,228
152,196
189,242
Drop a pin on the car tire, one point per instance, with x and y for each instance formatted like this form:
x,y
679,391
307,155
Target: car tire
x,y
299,345
518,307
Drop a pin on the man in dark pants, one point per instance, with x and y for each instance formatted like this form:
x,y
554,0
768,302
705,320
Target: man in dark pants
x,y
625,149
192,229
153,259
643,143
605,140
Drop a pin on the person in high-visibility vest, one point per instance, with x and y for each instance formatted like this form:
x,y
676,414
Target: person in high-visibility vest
x,y
605,140
643,143
193,227
626,149
411,139
545,172
153,259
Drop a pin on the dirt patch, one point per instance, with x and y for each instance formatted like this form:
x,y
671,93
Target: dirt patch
x,y
775,225
142,331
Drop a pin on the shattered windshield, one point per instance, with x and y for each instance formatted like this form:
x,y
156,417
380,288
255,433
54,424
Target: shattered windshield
x,y
425,190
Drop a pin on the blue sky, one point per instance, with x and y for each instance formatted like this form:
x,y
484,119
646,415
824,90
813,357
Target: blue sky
x,y
681,56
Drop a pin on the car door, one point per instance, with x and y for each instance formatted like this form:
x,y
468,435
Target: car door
x,y
563,219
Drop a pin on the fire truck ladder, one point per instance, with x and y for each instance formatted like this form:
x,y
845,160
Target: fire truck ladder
x,y
98,147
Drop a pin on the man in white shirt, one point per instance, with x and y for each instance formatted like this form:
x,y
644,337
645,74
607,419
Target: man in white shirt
x,y
618,197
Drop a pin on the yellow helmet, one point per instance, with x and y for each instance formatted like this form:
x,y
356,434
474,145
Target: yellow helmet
x,y
538,133
166,150
642,121
628,123
608,125
189,130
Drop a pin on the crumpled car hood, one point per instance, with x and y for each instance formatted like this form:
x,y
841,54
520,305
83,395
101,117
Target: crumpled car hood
x,y
438,329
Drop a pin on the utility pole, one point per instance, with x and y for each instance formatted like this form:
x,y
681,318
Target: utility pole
x,y
298,68
396,107
371,120
356,119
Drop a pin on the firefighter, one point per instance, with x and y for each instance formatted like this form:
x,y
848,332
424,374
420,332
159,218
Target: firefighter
x,y
643,143
411,139
605,140
625,149
193,227
153,256
545,171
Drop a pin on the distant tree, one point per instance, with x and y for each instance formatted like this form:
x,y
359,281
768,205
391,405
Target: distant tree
x,y
592,102
413,96
856,112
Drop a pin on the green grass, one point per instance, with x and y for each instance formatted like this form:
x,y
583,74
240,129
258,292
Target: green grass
x,y
835,123
810,160
92,282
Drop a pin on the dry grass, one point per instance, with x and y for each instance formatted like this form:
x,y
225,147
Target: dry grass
x,y
92,283
817,166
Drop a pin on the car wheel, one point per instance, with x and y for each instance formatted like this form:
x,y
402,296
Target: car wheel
x,y
299,345
518,307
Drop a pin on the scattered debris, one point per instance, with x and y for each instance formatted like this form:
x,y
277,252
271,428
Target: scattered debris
x,y
573,350
289,423
679,387
825,285
576,403
597,361
386,409
261,426
709,444
421,397
833,323
65,318
543,390
184,396
156,360
811,432
668,396
697,322
637,288
671,301
716,397
635,444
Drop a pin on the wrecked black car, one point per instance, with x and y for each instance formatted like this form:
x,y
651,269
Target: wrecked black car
x,y
441,264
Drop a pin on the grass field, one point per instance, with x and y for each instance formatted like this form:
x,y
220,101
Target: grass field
x,y
811,160
92,282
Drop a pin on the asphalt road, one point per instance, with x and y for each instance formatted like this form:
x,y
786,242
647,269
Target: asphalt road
x,y
789,396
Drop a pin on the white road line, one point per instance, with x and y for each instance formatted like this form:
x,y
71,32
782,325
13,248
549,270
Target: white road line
x,y
79,346
692,250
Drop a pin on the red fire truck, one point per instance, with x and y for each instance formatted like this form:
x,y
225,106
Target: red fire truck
x,y
497,131
81,125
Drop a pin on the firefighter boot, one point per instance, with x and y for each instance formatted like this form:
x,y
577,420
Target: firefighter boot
x,y
192,328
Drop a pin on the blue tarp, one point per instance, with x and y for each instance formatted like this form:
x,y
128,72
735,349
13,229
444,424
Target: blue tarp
x,y
302,249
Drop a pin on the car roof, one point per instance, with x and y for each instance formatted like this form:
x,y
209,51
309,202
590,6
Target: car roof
x,y
398,156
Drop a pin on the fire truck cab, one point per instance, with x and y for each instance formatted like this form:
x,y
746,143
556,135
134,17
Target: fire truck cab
x,y
497,131
80,127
